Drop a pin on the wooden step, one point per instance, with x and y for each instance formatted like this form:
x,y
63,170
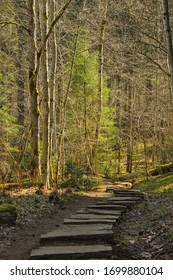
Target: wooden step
x,y
72,252
88,222
99,211
120,198
124,184
114,202
87,216
107,207
72,233
115,187
122,192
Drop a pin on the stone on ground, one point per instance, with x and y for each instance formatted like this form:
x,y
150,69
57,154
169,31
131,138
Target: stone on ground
x,y
72,233
120,198
124,184
88,216
120,202
88,221
99,211
72,252
107,207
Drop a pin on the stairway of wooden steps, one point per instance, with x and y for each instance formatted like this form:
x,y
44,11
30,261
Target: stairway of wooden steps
x,y
88,234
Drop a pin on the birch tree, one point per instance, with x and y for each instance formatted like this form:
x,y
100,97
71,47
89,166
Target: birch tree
x,y
35,60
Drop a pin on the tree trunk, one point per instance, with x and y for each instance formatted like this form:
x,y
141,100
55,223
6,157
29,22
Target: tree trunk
x,y
34,66
100,89
45,166
34,106
62,116
52,88
146,158
21,71
129,131
168,36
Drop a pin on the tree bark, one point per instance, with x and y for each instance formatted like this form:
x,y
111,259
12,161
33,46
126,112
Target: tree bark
x,y
34,108
45,166
52,55
168,36
34,67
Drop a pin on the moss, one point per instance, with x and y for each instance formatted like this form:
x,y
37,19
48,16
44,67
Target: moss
x,y
8,208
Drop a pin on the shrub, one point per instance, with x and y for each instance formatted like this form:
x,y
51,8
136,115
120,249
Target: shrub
x,y
73,175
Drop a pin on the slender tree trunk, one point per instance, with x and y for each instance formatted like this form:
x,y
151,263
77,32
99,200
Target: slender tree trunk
x,y
100,88
52,88
21,72
130,131
146,158
62,117
168,36
34,66
45,166
20,80
119,122
34,111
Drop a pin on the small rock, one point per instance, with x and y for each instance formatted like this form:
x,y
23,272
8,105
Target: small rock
x,y
146,255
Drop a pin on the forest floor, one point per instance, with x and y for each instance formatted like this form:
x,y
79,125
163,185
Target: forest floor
x,y
145,232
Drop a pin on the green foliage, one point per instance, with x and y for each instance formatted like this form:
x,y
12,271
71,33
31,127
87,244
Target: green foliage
x,y
73,175
107,140
91,182
61,200
73,170
161,185
39,191
8,87
82,113
8,208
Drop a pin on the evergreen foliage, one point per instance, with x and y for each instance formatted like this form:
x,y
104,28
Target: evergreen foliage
x,y
135,123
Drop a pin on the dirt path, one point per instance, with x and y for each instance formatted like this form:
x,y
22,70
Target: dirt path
x,y
146,232
17,242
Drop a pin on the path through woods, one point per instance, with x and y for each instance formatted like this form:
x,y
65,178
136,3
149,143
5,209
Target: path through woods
x,y
139,235
89,233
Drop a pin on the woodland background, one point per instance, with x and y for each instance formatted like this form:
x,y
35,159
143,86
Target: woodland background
x,y
86,87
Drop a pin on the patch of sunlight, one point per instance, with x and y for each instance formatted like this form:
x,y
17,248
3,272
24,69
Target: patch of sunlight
x,y
162,189
163,177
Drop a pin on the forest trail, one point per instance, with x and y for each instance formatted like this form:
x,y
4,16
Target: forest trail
x,y
89,233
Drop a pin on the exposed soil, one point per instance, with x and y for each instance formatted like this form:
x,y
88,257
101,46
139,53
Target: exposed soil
x,y
146,232
37,215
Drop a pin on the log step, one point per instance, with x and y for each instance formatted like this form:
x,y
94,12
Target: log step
x,y
121,202
99,211
72,233
120,198
125,192
88,221
87,216
72,252
108,207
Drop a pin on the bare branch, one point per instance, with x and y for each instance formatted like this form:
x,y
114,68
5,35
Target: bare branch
x,y
4,23
156,63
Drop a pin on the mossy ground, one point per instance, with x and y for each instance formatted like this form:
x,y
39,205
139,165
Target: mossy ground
x,y
149,226
8,208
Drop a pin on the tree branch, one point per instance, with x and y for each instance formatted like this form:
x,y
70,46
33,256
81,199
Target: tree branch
x,y
156,63
54,22
4,23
